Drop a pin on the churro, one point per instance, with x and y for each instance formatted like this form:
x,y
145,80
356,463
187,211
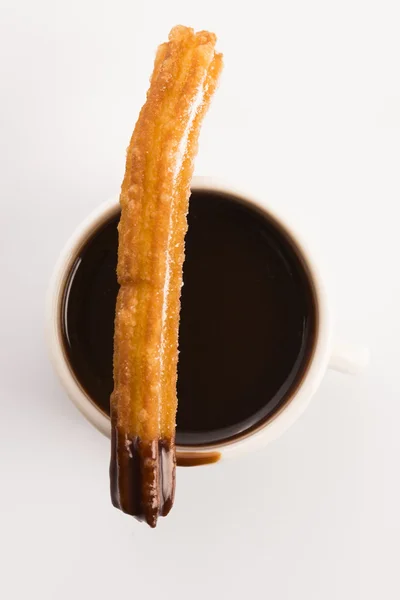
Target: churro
x,y
154,204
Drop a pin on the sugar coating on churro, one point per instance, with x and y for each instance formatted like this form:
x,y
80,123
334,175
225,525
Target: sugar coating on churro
x,y
154,204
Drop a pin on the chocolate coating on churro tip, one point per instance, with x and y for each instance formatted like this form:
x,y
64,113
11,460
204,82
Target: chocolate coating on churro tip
x,y
142,476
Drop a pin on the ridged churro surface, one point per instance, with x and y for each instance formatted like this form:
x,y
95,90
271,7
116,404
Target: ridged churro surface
x,y
154,204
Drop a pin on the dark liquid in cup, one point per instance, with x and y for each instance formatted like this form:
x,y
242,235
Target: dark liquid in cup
x,y
248,319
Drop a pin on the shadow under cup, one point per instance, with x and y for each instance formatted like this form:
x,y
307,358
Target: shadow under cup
x,y
248,319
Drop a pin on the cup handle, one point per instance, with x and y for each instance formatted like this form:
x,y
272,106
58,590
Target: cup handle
x,y
349,358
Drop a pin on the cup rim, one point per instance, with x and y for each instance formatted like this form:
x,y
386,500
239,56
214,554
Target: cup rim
x,y
260,435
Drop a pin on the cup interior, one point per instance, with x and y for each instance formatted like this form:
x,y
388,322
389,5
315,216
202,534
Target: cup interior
x,y
188,453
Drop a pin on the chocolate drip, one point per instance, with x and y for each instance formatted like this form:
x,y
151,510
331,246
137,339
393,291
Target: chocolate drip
x,y
194,459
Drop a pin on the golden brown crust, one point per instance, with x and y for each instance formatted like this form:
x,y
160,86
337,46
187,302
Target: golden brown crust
x,y
154,203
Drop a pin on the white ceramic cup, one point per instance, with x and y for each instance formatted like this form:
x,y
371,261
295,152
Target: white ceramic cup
x,y
342,357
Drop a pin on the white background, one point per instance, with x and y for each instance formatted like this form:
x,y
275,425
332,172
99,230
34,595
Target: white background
x,y
308,112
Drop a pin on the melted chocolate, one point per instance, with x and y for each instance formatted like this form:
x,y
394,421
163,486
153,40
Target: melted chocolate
x,y
195,459
136,488
247,329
